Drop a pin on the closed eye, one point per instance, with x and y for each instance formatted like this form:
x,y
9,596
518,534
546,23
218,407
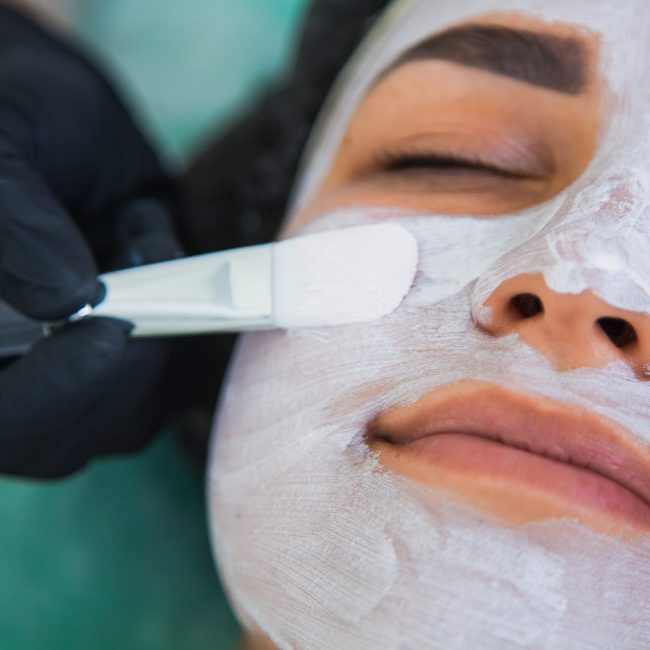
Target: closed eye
x,y
435,162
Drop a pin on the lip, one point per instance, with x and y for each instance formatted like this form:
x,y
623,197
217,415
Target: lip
x,y
483,435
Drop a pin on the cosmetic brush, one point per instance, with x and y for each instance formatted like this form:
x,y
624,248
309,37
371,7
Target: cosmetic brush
x,y
336,277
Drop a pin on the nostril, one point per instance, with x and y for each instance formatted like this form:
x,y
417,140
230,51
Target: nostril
x,y
618,331
526,305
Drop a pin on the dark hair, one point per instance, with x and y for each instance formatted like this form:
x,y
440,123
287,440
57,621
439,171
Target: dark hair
x,y
237,188
235,192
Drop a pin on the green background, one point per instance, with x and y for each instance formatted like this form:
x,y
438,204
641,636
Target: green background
x,y
117,557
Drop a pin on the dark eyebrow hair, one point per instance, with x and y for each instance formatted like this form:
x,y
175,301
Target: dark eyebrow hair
x,y
557,63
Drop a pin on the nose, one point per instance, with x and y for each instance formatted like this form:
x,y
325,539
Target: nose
x,y
571,330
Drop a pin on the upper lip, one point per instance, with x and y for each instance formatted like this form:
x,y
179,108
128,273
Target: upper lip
x,y
540,426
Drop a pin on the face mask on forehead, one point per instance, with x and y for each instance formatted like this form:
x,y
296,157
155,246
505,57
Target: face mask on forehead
x,y
318,545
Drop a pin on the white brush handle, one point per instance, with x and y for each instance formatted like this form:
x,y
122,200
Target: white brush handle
x,y
229,291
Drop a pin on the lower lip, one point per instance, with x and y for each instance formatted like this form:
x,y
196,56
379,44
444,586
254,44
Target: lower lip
x,y
515,484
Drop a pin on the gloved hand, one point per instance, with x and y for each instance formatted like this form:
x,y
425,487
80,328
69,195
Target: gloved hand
x,y
80,191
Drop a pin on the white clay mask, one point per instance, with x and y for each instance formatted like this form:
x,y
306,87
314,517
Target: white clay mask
x,y
318,544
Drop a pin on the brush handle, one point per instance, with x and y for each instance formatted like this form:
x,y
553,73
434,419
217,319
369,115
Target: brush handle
x,y
227,291
19,333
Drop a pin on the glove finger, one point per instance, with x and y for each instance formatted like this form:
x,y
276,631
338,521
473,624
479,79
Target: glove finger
x,y
46,269
128,415
44,394
144,233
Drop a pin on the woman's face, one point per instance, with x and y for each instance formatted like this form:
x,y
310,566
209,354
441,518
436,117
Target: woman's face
x,y
474,469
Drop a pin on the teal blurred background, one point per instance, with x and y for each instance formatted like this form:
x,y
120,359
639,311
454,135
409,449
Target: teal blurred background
x,y
117,558
190,64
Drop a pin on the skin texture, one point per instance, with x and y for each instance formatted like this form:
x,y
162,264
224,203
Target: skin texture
x,y
435,137
531,143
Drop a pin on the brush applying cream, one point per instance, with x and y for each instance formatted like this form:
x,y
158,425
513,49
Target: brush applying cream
x,y
338,277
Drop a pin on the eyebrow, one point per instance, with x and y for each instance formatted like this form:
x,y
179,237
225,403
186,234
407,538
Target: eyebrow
x,y
557,63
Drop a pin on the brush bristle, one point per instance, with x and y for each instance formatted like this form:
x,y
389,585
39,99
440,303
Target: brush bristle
x,y
343,276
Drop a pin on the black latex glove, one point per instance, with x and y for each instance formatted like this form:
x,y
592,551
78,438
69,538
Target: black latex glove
x,y
80,191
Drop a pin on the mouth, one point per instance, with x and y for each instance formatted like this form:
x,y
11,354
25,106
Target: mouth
x,y
520,457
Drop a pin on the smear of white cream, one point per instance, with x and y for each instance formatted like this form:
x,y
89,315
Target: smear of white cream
x,y
320,547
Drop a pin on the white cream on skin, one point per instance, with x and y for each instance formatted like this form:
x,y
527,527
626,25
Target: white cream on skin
x,y
318,545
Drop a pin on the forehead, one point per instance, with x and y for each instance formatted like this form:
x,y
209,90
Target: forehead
x,y
619,28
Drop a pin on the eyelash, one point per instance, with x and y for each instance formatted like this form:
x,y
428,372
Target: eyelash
x,y
395,162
